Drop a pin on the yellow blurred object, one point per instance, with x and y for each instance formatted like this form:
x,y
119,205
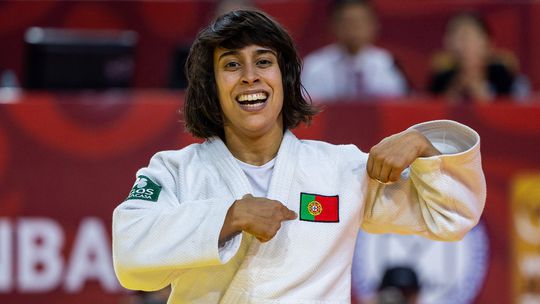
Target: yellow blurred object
x,y
526,238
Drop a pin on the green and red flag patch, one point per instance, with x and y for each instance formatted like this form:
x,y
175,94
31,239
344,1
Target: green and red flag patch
x,y
319,208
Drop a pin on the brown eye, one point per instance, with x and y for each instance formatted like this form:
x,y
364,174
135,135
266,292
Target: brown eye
x,y
232,65
264,62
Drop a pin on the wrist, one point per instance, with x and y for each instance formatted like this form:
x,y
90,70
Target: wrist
x,y
231,226
425,147
428,149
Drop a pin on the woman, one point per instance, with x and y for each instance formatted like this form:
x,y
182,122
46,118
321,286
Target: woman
x,y
254,215
471,69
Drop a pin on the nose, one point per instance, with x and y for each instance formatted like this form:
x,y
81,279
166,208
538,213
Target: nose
x,y
250,75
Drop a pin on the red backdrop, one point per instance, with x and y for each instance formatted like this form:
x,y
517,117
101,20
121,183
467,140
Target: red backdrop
x,y
67,160
411,29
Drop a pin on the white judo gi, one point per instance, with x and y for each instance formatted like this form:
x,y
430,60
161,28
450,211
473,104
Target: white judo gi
x,y
172,237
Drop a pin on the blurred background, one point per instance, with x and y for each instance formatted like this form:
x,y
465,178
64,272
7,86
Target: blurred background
x,y
90,90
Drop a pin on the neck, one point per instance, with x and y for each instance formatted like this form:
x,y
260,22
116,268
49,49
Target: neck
x,y
354,49
255,150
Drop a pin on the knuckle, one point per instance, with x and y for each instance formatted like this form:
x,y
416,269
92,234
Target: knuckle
x,y
375,151
276,206
400,166
393,163
381,158
284,211
276,214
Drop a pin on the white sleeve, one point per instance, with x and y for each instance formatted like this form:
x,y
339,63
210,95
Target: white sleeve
x,y
394,82
442,197
154,236
385,78
316,80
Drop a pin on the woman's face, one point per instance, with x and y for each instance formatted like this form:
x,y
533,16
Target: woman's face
x,y
354,26
469,43
250,90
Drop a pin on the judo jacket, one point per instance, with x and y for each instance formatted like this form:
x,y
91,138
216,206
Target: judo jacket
x,y
167,231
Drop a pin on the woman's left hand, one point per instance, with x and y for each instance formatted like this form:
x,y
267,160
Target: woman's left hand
x,y
392,155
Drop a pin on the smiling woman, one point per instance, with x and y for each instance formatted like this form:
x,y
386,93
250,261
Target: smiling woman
x,y
250,93
255,215
227,39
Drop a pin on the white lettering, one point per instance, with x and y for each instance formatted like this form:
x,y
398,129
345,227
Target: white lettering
x,y
40,264
91,258
142,196
5,255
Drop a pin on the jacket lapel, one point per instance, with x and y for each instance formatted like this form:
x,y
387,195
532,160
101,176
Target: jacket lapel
x,y
282,177
221,158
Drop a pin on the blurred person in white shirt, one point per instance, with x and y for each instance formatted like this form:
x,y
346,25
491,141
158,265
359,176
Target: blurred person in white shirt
x,y
352,67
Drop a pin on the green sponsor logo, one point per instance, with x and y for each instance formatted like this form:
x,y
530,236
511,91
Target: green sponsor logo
x,y
144,189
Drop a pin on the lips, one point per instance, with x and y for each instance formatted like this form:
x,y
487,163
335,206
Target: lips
x,y
252,101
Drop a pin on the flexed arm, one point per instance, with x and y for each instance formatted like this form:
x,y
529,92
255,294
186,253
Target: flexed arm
x,y
439,196
392,155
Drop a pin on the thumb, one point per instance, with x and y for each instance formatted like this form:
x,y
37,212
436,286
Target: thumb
x,y
247,196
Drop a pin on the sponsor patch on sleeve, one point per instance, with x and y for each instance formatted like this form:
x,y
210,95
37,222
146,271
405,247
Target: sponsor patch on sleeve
x,y
144,189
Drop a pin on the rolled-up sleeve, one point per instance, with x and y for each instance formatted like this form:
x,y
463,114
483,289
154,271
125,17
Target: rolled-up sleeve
x,y
440,197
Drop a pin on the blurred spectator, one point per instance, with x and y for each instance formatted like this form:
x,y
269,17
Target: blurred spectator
x,y
177,75
399,285
352,67
8,79
225,6
470,69
142,297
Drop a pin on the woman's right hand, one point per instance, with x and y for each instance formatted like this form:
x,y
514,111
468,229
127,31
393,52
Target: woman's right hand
x,y
258,216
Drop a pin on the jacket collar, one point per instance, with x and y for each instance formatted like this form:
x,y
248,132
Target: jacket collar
x,y
236,180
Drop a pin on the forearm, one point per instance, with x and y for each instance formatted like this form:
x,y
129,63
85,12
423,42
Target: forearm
x,y
444,194
159,241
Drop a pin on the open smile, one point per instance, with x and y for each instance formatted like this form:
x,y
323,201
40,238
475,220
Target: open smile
x,y
252,101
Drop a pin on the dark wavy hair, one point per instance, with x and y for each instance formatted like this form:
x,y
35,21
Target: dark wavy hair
x,y
473,18
234,30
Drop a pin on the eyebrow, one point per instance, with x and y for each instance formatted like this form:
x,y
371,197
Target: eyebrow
x,y
236,52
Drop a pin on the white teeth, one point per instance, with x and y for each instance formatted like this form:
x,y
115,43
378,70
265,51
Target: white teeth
x,y
252,97
253,105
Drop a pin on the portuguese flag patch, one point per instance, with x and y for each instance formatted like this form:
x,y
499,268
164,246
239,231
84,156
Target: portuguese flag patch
x,y
319,208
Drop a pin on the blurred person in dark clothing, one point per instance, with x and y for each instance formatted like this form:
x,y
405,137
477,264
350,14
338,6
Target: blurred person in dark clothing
x,y
142,297
399,285
470,69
